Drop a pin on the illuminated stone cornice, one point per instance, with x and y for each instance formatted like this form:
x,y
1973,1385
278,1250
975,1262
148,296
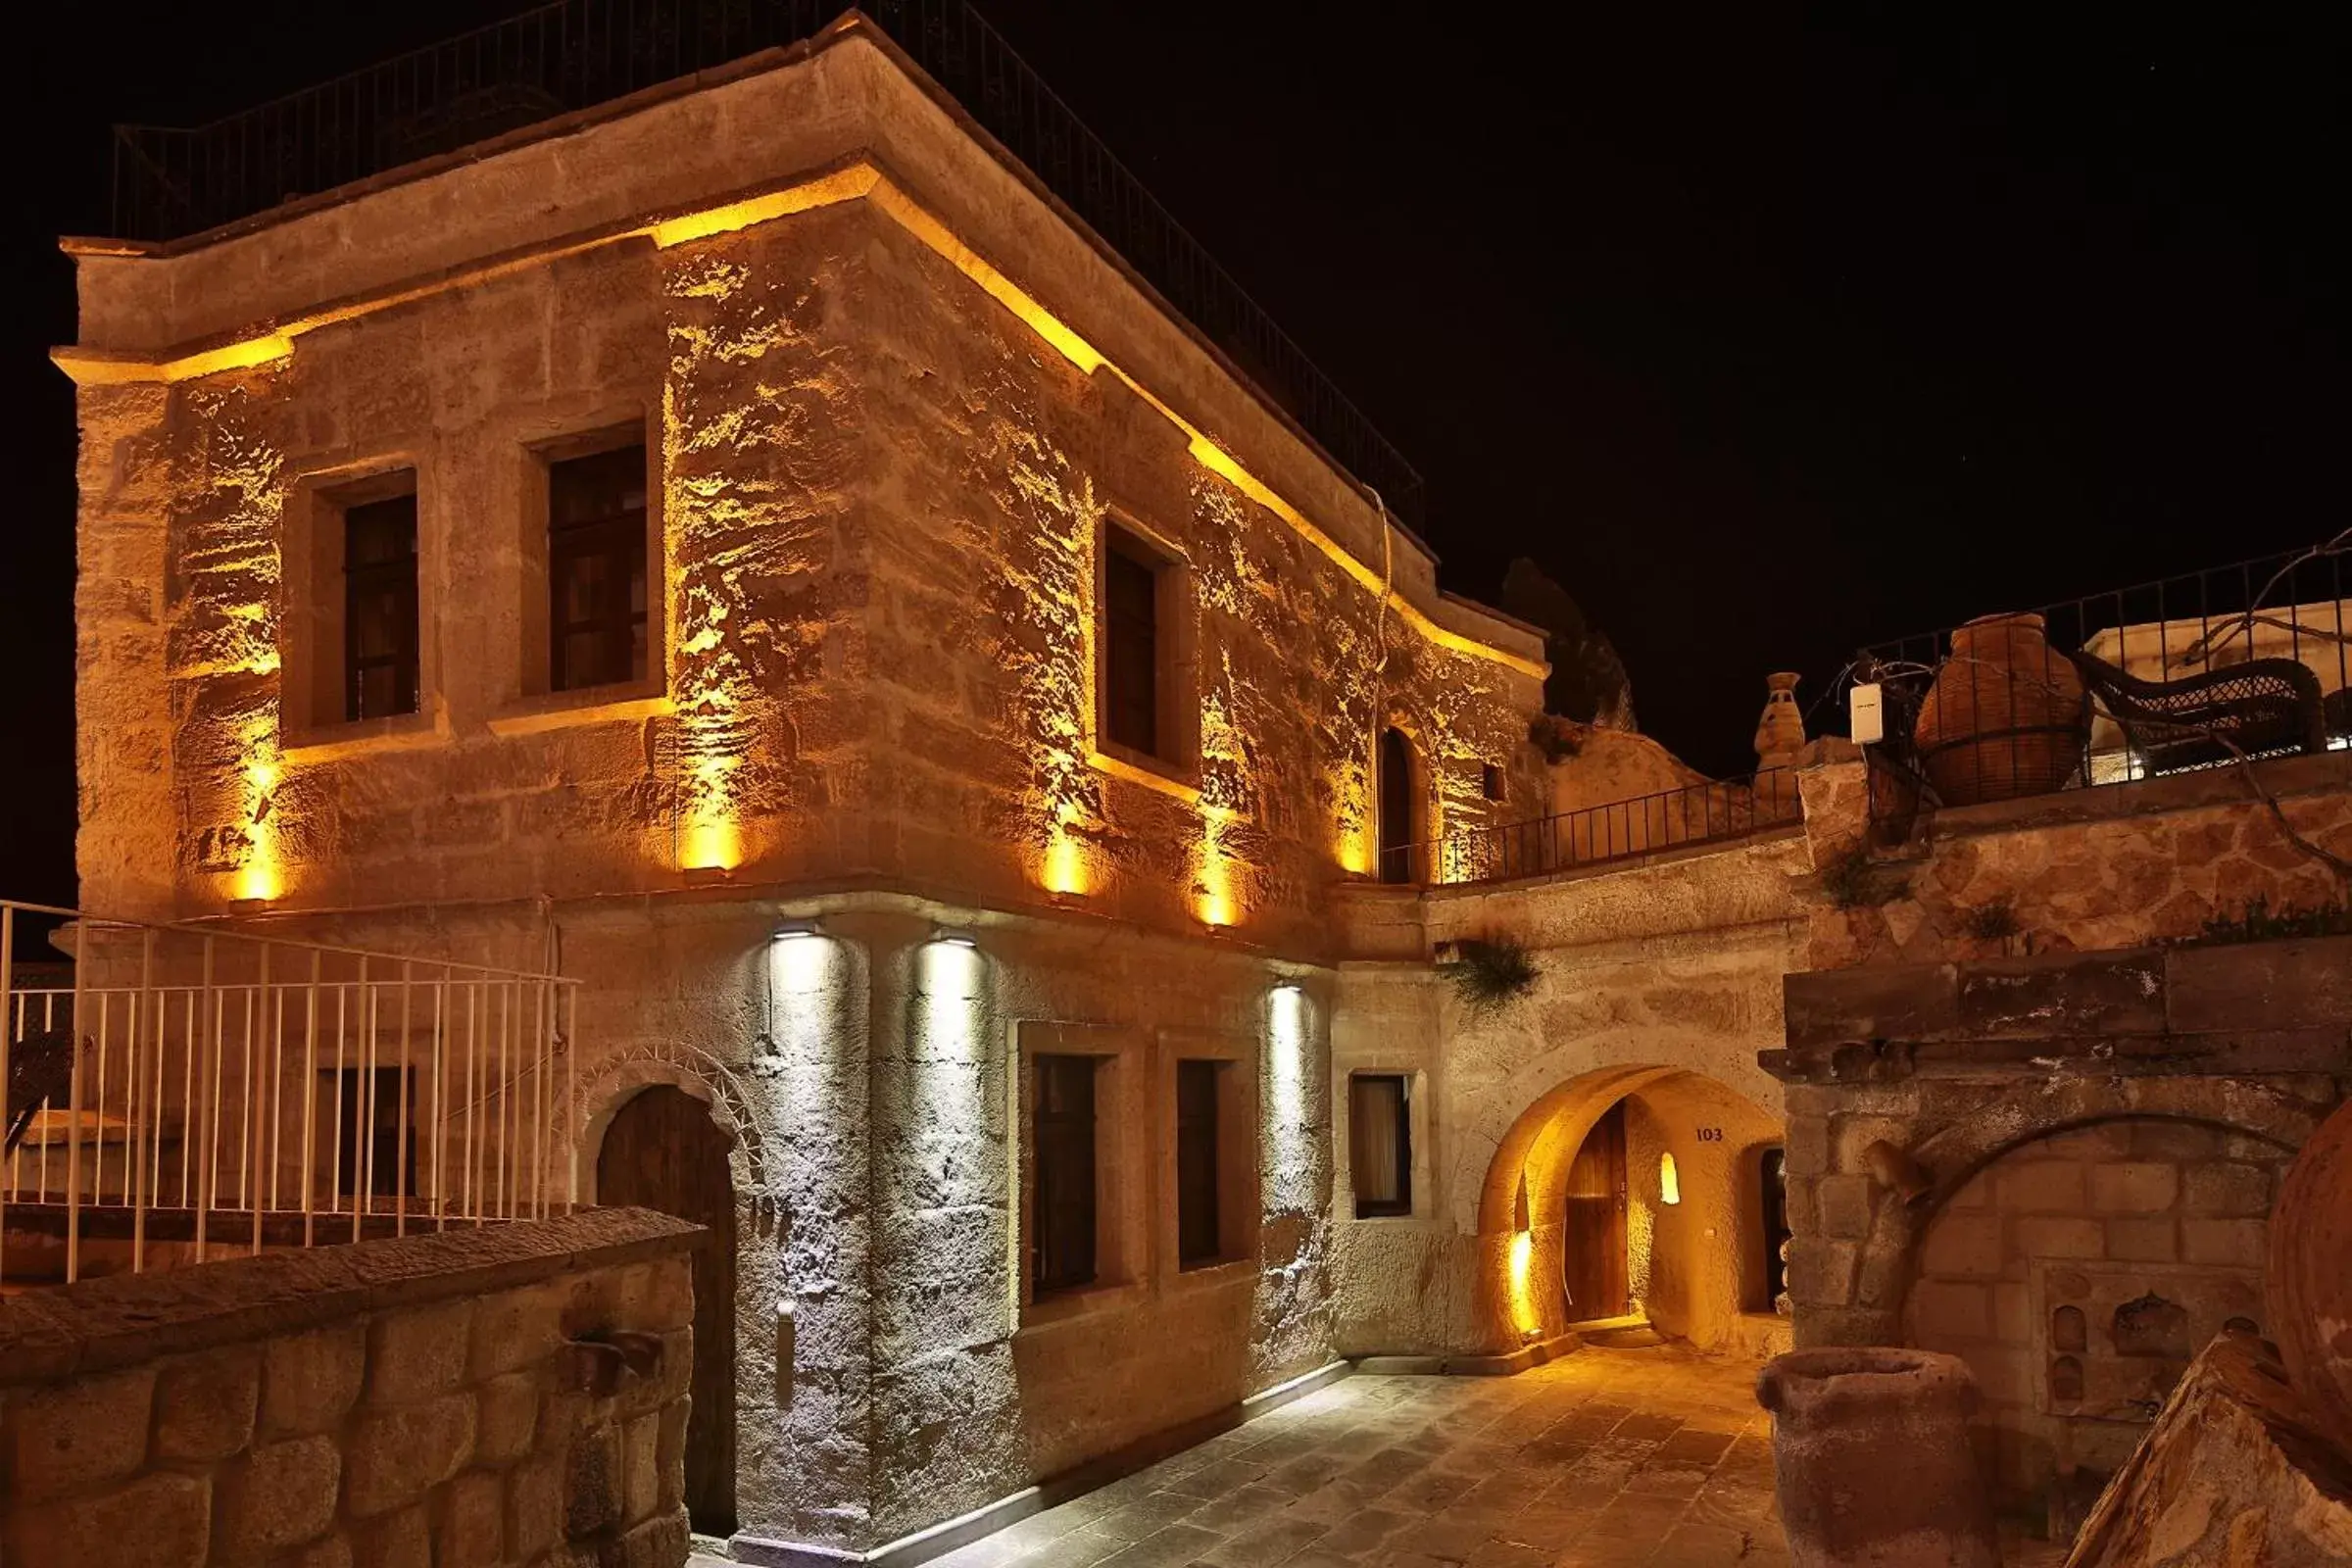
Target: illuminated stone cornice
x,y
859,179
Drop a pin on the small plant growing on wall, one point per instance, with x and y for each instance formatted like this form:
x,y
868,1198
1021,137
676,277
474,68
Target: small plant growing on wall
x,y
1994,920
2257,921
1854,881
1489,973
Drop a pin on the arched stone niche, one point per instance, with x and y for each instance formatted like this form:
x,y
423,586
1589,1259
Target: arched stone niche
x,y
1854,1292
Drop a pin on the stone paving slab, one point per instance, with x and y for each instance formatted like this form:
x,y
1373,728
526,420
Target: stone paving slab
x,y
1609,1458
1604,1459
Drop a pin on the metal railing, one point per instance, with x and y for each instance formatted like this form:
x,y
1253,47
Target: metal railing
x,y
2199,670
193,1094
1712,812
574,54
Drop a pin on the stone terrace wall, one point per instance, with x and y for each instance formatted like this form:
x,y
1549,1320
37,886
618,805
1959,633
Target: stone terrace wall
x,y
2083,870
506,1396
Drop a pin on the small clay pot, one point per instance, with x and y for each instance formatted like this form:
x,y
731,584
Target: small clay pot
x,y
2311,1274
1872,1462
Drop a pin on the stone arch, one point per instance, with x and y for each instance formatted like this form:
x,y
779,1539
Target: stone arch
x,y
1950,1157
1520,1219
696,1072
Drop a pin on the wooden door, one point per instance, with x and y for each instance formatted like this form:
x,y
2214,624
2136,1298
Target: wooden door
x,y
663,1151
1592,1270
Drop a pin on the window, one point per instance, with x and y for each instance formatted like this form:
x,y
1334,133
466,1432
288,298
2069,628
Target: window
x,y
1199,1238
1380,1144
596,570
1131,645
1062,1235
1491,783
1670,1181
372,1127
1395,806
380,607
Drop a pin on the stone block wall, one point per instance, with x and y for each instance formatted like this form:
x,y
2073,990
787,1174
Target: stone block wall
x,y
2059,1168
2076,1274
514,1396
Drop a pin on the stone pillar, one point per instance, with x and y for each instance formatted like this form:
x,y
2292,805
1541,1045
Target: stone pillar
x,y
946,1401
804,1464
126,851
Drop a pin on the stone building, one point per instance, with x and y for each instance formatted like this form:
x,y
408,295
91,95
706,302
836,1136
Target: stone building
x,y
1017,810
750,547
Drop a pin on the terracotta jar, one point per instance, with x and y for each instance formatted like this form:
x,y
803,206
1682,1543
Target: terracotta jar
x,y
2005,717
1872,1462
2311,1274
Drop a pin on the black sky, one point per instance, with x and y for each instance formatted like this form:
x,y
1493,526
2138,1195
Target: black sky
x,y
1767,335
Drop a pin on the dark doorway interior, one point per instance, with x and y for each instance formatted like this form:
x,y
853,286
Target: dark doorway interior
x,y
1395,806
1775,1186
663,1151
1592,1267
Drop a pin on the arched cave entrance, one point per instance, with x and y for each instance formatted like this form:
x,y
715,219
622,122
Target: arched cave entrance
x,y
661,1150
1637,1192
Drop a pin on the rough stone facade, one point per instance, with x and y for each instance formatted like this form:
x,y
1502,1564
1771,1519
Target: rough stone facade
x,y
515,1394
893,401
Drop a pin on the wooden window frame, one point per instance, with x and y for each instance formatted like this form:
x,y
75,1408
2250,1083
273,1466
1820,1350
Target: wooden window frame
x,y
1173,764
1240,1136
1409,1147
314,632
621,539
539,701
1122,1121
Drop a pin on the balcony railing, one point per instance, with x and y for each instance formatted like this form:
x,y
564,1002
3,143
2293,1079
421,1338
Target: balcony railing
x,y
1713,813
2201,670
190,1093
575,54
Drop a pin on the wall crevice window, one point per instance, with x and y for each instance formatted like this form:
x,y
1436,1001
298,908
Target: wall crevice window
x,y
1380,1144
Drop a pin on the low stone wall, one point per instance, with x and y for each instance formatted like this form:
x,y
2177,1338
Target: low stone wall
x,y
508,1396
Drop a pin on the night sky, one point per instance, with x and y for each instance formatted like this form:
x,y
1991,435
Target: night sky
x,y
1768,338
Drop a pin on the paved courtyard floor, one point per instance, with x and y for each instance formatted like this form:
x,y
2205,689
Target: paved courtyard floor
x,y
1605,1460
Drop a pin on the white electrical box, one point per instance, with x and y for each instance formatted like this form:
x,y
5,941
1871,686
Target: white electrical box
x,y
1866,719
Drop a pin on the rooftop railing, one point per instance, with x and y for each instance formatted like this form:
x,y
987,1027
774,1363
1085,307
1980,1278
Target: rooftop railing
x,y
186,1093
1716,812
2201,670
575,54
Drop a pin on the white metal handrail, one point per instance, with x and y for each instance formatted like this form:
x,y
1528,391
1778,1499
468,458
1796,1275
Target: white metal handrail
x,y
211,1090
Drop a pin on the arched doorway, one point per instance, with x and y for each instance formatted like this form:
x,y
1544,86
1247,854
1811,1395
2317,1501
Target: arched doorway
x,y
1641,1199
1592,1267
663,1151
1395,787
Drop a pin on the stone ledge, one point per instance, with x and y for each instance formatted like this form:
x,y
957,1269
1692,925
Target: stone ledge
x,y
2188,999
2283,776
124,1319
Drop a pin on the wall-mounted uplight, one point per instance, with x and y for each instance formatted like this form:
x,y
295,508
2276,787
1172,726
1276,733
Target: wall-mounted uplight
x,y
803,926
954,936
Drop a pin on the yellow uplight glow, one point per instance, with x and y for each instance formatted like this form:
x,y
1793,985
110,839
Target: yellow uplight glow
x,y
1670,1182
1215,901
259,879
1064,867
1524,1315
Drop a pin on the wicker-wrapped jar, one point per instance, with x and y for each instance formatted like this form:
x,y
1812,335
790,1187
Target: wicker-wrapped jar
x,y
2006,717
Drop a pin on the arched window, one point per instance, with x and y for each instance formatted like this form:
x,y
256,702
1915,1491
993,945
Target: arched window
x,y
1670,1182
1395,806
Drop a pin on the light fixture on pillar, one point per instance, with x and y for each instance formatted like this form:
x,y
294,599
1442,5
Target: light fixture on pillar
x,y
954,936
807,925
